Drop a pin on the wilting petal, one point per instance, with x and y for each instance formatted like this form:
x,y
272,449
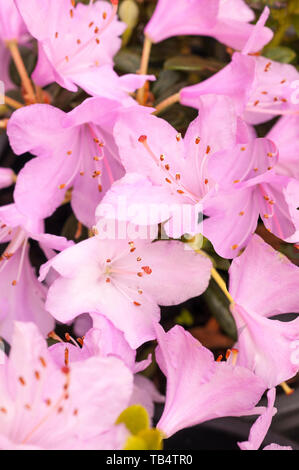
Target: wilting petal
x,y
260,428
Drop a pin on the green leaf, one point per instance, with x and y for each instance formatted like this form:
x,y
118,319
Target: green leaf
x,y
218,305
127,61
280,54
192,63
135,418
295,22
184,318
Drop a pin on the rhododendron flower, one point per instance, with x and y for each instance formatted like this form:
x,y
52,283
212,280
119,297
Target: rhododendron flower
x,y
7,177
264,283
77,45
260,88
181,171
125,281
75,150
106,341
22,296
198,387
225,20
44,405
248,187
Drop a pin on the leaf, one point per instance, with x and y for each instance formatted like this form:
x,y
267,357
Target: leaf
x,y
281,54
192,63
127,61
218,305
295,22
184,318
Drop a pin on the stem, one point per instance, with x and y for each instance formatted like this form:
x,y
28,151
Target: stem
x,y
218,279
11,102
146,52
17,58
167,102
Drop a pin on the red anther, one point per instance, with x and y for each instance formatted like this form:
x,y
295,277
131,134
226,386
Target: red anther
x,y
114,2
66,356
67,337
208,149
80,341
147,269
142,139
65,370
219,358
228,353
137,304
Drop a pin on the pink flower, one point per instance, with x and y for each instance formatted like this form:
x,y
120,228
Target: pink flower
x,y
7,177
264,283
74,150
12,25
260,88
249,188
166,169
225,20
48,406
125,281
22,296
76,46
219,169
107,341
198,387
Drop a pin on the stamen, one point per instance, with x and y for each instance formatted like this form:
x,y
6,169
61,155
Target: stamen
x,y
286,388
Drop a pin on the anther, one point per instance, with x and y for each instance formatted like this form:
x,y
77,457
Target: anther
x,y
147,269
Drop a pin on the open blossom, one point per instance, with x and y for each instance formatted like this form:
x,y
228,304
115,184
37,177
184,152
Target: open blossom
x,y
198,387
76,46
126,281
217,148
248,187
74,150
107,341
264,283
45,405
260,88
225,20
22,296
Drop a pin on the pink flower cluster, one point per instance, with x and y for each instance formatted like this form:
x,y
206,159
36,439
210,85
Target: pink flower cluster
x,y
108,149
